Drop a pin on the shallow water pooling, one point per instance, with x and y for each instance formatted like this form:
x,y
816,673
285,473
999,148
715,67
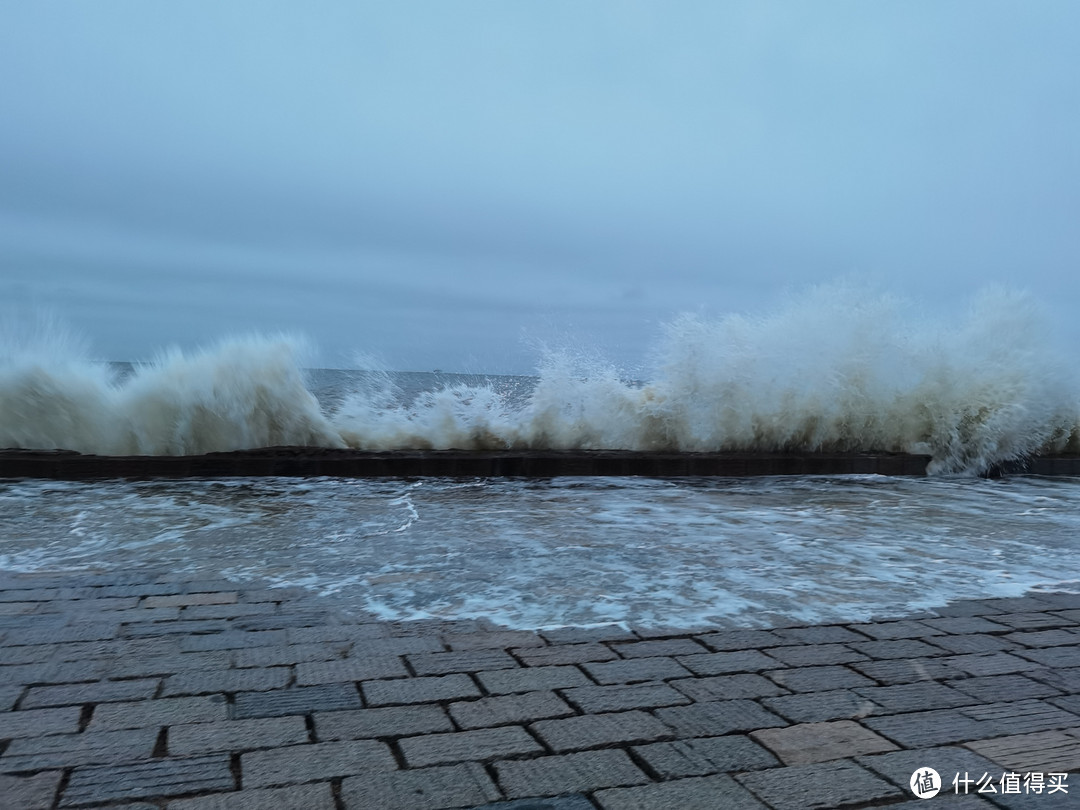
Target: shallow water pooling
x,y
538,553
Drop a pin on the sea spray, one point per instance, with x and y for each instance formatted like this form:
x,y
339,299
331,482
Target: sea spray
x,y
835,369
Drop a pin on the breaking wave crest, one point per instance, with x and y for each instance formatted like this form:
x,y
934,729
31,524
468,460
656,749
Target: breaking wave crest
x,y
835,370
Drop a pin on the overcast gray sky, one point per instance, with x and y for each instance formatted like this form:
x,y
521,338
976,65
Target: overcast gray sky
x,y
443,182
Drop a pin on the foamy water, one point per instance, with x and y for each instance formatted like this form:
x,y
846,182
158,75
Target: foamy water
x,y
536,553
837,370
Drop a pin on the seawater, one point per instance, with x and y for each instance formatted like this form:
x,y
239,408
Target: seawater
x,y
537,553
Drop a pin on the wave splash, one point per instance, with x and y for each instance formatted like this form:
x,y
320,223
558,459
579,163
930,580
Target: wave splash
x,y
838,369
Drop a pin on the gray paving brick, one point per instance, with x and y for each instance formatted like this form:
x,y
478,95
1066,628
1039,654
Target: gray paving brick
x,y
227,680
463,746
569,773
729,640
596,699
818,635
35,792
1045,638
638,669
501,639
896,648
229,611
665,647
1003,688
419,690
318,796
236,735
98,692
39,722
68,750
696,793
347,633
595,730
1045,752
1021,717
911,697
351,669
55,672
423,789
318,761
975,643
962,625
9,696
812,655
409,645
1055,657
443,663
299,700
817,707
394,721
182,600
898,766
291,654
807,743
997,663
564,654
1034,621
156,713
233,640
928,729
720,717
916,669
138,666
727,687
724,663
86,631
581,635
161,777
704,756
825,786
532,679
901,629
154,627
818,679
507,709
1065,680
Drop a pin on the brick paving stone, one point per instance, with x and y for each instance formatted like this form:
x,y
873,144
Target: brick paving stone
x,y
230,611
817,707
408,645
236,735
318,796
345,632
115,648
155,713
704,756
1070,703
595,730
905,628
819,635
911,697
652,632
595,699
314,762
443,663
98,692
825,785
716,718
290,654
806,743
185,599
351,669
162,777
508,709
564,654
77,606
291,619
898,766
9,696
727,687
1066,680
39,722
968,608
811,655
1046,751
993,688
1061,599
652,649
423,789
696,793
35,792
975,643
68,750
927,729
724,663
998,663
137,666
395,721
580,635
233,640
298,700
1034,621
896,648
419,690
569,773
508,681
1054,657
1021,717
965,625
462,746
55,672
227,680
818,679
28,654
1013,604
1045,638
76,632
154,627
637,669
501,640
897,670
743,640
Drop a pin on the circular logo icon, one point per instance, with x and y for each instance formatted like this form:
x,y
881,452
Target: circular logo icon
x,y
925,783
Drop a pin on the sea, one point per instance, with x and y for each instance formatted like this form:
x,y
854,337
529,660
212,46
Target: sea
x,y
844,372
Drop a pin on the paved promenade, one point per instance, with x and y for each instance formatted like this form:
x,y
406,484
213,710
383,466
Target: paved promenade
x,y
136,691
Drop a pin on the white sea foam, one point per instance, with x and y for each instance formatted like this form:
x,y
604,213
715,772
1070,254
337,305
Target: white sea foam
x,y
838,369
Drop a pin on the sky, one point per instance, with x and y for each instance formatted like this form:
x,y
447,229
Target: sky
x,y
453,185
